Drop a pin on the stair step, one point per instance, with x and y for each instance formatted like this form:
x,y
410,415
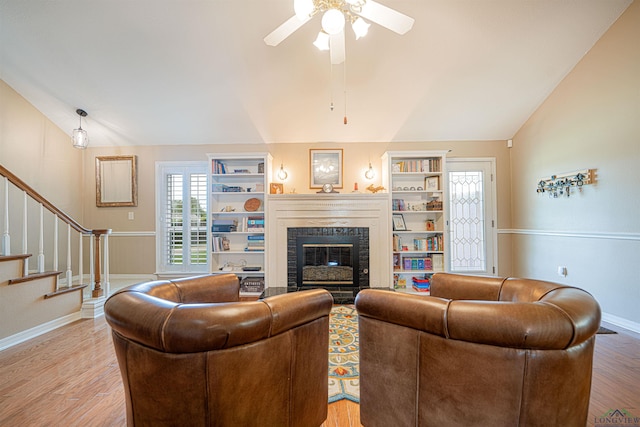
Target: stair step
x,y
34,276
14,257
66,290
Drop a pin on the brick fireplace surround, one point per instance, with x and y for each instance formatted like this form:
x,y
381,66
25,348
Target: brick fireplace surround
x,y
356,210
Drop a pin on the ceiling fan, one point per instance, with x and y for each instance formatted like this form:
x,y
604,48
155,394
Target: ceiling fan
x,y
334,15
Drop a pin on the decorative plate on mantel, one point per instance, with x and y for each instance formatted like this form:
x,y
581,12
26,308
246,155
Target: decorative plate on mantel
x,y
252,205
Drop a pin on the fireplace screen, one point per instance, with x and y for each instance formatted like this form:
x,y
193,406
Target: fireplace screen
x,y
324,264
327,261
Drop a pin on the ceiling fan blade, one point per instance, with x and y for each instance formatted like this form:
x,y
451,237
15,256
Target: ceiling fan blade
x,y
387,17
285,30
336,44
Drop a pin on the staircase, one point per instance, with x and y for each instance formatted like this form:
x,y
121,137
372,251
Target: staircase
x,y
35,301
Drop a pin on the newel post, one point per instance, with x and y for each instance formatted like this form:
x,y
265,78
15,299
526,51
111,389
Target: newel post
x,y
97,286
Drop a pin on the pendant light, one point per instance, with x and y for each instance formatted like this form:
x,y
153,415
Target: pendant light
x,y
79,136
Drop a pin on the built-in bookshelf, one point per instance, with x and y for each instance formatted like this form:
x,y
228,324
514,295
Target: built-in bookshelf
x,y
237,217
415,180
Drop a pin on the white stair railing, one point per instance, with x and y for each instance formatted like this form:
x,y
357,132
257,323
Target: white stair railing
x,y
97,262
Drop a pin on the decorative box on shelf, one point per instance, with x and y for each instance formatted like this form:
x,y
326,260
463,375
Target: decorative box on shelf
x,y
252,284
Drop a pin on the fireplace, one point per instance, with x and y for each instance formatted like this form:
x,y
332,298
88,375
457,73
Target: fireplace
x,y
361,216
333,258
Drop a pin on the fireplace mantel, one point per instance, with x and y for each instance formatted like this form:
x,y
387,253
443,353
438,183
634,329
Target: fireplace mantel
x,y
329,210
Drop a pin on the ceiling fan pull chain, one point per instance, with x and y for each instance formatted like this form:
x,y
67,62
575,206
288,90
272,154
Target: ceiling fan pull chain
x,y
344,84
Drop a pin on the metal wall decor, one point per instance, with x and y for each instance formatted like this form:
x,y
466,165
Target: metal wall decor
x,y
563,185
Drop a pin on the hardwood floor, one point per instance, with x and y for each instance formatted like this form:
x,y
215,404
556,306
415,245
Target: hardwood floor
x,y
70,377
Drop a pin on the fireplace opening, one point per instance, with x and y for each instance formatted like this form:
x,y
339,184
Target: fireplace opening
x,y
327,261
327,264
333,258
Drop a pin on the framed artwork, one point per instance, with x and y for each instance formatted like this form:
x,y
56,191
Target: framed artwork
x,y
432,183
325,167
116,181
276,188
398,223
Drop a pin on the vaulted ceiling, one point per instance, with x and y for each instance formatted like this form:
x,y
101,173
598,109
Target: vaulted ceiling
x,y
198,71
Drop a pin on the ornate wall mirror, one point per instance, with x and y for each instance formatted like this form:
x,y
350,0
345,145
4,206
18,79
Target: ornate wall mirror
x,y
116,181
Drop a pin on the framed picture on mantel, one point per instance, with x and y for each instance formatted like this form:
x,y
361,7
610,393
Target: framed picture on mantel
x,y
325,167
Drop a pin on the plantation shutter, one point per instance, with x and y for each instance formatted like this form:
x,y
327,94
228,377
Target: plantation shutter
x,y
182,223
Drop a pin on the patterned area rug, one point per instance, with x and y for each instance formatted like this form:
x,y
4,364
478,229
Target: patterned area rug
x,y
344,373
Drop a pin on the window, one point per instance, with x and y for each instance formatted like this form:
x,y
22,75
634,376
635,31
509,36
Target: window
x,y
181,227
471,223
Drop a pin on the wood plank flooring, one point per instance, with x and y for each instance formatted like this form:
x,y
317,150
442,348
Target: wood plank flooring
x,y
70,377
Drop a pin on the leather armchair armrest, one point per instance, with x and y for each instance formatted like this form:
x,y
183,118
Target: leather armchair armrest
x,y
458,287
510,324
296,308
209,288
424,313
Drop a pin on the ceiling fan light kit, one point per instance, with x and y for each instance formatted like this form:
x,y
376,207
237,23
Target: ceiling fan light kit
x,y
335,14
322,41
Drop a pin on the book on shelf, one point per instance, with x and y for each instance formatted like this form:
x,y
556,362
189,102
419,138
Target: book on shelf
x,y
438,262
397,244
223,228
218,167
224,225
417,263
255,243
222,188
418,165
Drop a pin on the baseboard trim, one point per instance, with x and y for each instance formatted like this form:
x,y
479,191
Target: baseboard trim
x,y
621,322
36,331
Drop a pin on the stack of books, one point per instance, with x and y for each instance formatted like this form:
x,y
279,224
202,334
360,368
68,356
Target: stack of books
x,y
255,224
255,243
421,284
224,225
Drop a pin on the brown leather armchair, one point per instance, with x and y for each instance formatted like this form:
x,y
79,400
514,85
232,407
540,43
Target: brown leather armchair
x,y
192,354
478,352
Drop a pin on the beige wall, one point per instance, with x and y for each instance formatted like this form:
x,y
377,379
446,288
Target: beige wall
x,y
592,120
39,153
139,258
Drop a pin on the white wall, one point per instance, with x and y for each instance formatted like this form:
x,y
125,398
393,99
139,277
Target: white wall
x,y
592,120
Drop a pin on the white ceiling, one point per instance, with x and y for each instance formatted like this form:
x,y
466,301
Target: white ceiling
x,y
198,72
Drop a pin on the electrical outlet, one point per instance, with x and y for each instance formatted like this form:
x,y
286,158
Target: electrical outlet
x,y
562,271
131,215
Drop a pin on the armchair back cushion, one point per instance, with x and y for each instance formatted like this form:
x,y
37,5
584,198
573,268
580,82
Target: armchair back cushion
x,y
478,351
191,353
